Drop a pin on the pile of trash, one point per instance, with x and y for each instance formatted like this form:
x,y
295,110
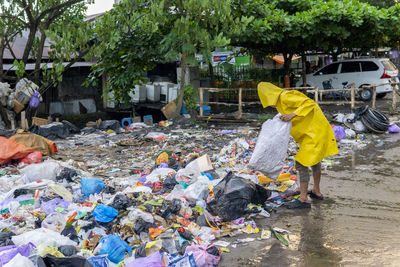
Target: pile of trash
x,y
57,212
156,195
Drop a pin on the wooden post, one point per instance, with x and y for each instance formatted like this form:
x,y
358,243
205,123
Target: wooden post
x,y
394,99
201,101
316,94
240,104
24,124
353,98
373,97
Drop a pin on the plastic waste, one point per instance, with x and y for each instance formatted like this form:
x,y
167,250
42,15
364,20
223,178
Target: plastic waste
x,y
394,128
340,132
67,250
233,194
48,248
46,170
9,252
271,148
5,238
99,261
42,235
186,260
91,186
103,213
201,255
19,261
34,157
114,247
153,260
55,221
49,206
34,101
75,261
61,191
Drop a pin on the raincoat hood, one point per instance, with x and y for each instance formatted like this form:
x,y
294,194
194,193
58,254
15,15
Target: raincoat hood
x,y
268,94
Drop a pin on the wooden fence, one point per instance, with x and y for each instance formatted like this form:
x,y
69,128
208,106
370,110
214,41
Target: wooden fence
x,y
318,97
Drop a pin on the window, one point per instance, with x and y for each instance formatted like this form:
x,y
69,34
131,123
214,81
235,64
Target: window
x,y
369,66
350,67
330,69
388,65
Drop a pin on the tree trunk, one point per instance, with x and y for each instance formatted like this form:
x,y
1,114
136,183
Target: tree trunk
x,y
179,104
287,62
212,78
2,47
4,117
29,43
304,68
39,55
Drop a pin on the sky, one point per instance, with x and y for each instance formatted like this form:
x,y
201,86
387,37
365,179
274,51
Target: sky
x,y
99,6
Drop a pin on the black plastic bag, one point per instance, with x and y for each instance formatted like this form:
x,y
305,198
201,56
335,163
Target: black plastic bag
x,y
5,238
110,125
67,250
140,252
143,226
74,261
51,131
67,174
233,194
169,182
122,202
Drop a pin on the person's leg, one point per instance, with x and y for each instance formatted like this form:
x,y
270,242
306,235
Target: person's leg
x,y
304,180
317,179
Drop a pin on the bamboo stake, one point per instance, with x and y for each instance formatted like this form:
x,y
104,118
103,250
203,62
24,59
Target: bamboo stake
x,y
353,98
240,104
394,99
374,97
201,102
316,95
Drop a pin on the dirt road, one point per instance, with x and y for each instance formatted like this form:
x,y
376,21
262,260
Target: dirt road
x,y
358,223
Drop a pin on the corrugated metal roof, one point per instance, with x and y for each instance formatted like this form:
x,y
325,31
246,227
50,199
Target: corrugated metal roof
x,y
31,66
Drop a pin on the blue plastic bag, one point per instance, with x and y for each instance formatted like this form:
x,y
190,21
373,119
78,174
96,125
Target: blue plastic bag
x,y
98,261
103,213
340,132
35,100
114,247
91,186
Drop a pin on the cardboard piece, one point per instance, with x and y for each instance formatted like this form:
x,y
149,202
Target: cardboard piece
x,y
169,109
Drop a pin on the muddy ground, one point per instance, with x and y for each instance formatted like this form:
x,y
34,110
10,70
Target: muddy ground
x,y
357,224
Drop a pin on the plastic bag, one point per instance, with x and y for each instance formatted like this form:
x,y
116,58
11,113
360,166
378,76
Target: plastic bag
x,y
103,213
154,260
46,170
202,257
91,186
340,132
48,248
9,252
158,174
19,261
114,247
99,261
271,148
394,128
61,191
34,101
186,260
233,194
42,235
34,157
49,206
55,221
196,191
74,261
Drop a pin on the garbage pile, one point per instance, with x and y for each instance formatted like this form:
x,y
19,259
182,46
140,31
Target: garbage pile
x,y
156,195
169,212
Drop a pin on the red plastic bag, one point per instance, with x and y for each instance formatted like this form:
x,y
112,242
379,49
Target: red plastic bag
x,y
34,157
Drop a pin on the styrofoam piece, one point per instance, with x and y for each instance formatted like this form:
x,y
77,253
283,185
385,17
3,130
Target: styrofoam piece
x,y
140,94
173,93
153,92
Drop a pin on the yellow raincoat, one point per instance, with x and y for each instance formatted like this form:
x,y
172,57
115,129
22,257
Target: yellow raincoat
x,y
310,128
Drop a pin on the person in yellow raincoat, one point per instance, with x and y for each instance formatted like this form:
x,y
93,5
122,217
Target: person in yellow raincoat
x,y
310,129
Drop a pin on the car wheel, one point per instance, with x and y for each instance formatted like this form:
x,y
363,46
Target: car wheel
x,y
381,95
366,94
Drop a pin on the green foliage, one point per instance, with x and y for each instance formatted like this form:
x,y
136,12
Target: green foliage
x,y
19,68
190,97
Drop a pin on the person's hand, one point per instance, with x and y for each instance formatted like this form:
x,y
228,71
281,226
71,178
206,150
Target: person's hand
x,y
287,117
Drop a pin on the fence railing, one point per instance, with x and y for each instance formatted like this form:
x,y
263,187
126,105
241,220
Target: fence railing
x,y
315,91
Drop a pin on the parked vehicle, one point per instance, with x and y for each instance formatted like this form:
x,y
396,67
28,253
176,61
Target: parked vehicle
x,y
361,72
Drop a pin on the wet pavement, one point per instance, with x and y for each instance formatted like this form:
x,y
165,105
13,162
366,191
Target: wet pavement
x,y
357,224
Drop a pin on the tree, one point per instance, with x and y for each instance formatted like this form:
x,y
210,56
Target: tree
x,y
126,45
194,27
61,20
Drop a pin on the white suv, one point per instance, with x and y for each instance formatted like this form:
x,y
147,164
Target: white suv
x,y
361,72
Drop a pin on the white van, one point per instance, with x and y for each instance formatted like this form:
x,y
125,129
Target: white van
x,y
361,72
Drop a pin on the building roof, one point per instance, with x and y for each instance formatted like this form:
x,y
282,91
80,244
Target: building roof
x,y
31,66
18,46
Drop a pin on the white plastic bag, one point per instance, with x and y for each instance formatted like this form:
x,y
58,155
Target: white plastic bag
x,y
42,235
19,261
271,148
46,170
